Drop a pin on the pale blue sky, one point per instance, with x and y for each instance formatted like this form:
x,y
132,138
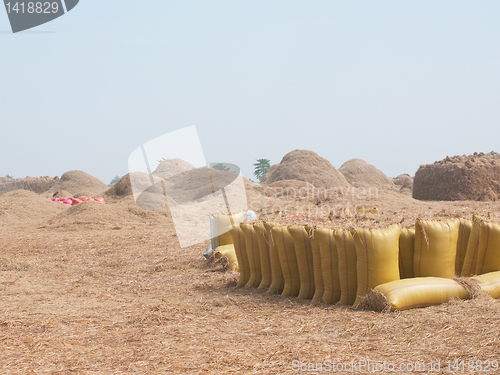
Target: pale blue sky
x,y
396,83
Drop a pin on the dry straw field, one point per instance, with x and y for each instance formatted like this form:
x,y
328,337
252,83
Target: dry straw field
x,y
106,289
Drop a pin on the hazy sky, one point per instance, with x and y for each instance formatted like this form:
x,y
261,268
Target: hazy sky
x,y
396,83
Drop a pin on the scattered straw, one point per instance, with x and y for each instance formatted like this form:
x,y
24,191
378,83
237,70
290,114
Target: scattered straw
x,y
375,301
472,286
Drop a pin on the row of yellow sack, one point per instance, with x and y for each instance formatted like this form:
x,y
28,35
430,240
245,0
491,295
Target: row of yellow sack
x,y
446,248
340,266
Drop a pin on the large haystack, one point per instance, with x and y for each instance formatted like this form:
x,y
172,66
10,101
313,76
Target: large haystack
x,y
307,166
473,177
363,175
76,182
35,184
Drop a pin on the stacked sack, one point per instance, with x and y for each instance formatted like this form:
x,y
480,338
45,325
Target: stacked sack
x,y
335,266
409,267
481,259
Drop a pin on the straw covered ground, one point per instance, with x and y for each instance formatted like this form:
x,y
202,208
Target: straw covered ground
x,y
120,298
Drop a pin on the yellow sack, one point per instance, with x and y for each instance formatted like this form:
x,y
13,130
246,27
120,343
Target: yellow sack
x,y
377,254
265,258
470,260
488,258
228,252
421,291
319,288
288,261
303,252
463,240
406,252
490,283
221,227
253,253
346,251
329,265
241,254
277,281
435,248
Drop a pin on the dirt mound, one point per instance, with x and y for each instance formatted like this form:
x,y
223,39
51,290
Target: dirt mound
x,y
304,165
171,167
76,182
35,184
473,177
404,182
26,207
363,175
95,215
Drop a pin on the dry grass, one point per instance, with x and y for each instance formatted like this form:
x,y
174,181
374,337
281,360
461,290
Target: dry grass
x,y
128,301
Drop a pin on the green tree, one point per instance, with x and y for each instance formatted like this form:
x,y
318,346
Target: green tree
x,y
115,180
10,177
261,167
220,167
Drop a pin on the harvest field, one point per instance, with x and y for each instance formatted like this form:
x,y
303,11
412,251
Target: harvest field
x,y
250,187
106,288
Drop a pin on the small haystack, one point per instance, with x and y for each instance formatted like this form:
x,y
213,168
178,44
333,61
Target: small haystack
x,y
404,182
360,174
